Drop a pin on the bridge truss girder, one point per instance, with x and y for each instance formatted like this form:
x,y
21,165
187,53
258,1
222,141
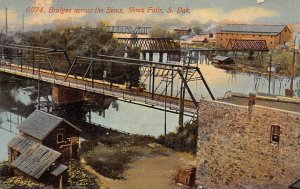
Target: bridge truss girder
x,y
152,44
85,68
128,29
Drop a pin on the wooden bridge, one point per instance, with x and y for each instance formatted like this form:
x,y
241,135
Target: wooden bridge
x,y
97,75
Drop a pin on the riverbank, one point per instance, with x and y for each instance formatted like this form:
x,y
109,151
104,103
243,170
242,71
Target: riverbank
x,y
134,161
112,155
152,172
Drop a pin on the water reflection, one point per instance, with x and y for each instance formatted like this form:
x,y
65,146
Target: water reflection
x,y
18,99
222,81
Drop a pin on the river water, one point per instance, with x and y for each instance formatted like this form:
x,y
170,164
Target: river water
x,y
18,99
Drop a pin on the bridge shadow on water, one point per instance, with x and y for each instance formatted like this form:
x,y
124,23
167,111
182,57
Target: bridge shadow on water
x,y
20,98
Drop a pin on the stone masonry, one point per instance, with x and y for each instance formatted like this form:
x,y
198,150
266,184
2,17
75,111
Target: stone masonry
x,y
234,152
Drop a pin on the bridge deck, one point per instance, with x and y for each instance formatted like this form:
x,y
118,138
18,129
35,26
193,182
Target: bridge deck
x,y
100,87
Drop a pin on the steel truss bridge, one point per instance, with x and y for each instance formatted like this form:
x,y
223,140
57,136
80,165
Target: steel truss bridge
x,y
128,29
154,45
92,74
233,46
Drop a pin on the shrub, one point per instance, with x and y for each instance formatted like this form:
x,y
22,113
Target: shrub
x,y
184,139
6,171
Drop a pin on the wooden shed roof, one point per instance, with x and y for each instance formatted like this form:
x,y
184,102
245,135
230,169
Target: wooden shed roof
x,y
199,38
221,58
59,170
36,160
40,124
20,143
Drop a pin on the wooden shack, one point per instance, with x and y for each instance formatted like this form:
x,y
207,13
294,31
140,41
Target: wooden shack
x,y
182,31
53,132
223,60
200,39
45,143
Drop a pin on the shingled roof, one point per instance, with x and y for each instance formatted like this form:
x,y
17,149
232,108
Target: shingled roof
x,y
59,170
36,160
20,143
40,124
245,28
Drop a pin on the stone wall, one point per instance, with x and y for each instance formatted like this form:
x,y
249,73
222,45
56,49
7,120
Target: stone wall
x,y
234,152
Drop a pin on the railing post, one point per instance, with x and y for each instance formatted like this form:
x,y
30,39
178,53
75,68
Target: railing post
x,y
150,78
172,81
153,80
22,62
93,71
32,62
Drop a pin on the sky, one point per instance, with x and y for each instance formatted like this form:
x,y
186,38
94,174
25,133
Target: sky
x,y
202,11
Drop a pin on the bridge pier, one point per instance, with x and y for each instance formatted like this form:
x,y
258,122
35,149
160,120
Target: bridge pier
x,y
175,56
161,57
64,95
144,56
150,56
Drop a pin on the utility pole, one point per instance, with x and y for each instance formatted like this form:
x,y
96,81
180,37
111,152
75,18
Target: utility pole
x,y
270,72
39,77
293,67
166,93
6,25
23,25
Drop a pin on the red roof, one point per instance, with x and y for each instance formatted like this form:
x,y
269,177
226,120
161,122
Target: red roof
x,y
199,38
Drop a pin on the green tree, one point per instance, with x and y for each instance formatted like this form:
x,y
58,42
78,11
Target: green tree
x,y
133,71
158,32
284,61
197,29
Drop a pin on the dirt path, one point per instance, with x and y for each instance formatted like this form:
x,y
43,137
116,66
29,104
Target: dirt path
x,y
90,170
148,173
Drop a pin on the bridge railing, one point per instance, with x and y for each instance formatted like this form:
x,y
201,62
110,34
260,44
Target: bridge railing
x,y
103,71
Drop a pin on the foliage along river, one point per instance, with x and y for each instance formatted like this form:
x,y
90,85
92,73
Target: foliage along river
x,y
18,99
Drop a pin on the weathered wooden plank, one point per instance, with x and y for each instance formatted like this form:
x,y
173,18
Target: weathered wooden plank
x,y
36,160
20,143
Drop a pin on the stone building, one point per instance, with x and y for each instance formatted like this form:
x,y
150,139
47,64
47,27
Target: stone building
x,y
237,152
273,35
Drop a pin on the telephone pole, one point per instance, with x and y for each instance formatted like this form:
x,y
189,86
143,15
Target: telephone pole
x,y
6,25
23,25
293,66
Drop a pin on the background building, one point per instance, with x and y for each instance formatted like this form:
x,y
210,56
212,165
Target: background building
x,y
182,31
274,35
